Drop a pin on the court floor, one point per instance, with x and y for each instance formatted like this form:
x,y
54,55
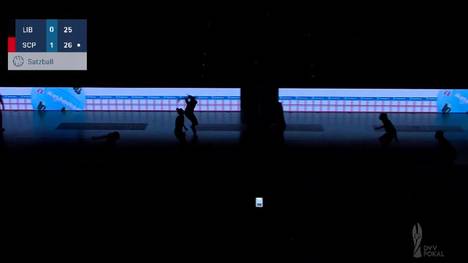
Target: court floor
x,y
303,129
332,188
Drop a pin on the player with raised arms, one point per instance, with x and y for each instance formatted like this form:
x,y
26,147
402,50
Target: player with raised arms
x,y
191,103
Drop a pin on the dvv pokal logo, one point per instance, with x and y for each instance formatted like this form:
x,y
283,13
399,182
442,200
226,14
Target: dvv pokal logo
x,y
417,238
421,250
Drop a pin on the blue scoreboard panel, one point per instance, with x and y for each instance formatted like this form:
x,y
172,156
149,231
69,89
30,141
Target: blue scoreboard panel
x,y
48,44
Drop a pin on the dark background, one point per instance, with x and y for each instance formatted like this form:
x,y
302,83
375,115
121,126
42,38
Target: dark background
x,y
321,203
313,45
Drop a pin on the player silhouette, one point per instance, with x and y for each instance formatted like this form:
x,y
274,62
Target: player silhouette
x,y
180,128
390,130
1,113
110,138
278,125
447,153
191,102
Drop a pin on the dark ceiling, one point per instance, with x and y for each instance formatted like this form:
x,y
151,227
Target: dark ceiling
x,y
308,45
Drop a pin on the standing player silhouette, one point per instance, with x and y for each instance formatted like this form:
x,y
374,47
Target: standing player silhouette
x,y
1,113
191,102
180,127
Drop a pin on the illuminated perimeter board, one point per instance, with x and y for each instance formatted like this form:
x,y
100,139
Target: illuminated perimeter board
x,y
118,99
47,44
374,100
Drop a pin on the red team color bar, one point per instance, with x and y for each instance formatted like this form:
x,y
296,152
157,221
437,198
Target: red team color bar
x,y
11,44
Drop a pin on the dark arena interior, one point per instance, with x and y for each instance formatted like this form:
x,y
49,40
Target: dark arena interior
x,y
229,132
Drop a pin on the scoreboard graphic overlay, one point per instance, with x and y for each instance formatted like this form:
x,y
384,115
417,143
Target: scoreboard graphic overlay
x,y
374,100
47,44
